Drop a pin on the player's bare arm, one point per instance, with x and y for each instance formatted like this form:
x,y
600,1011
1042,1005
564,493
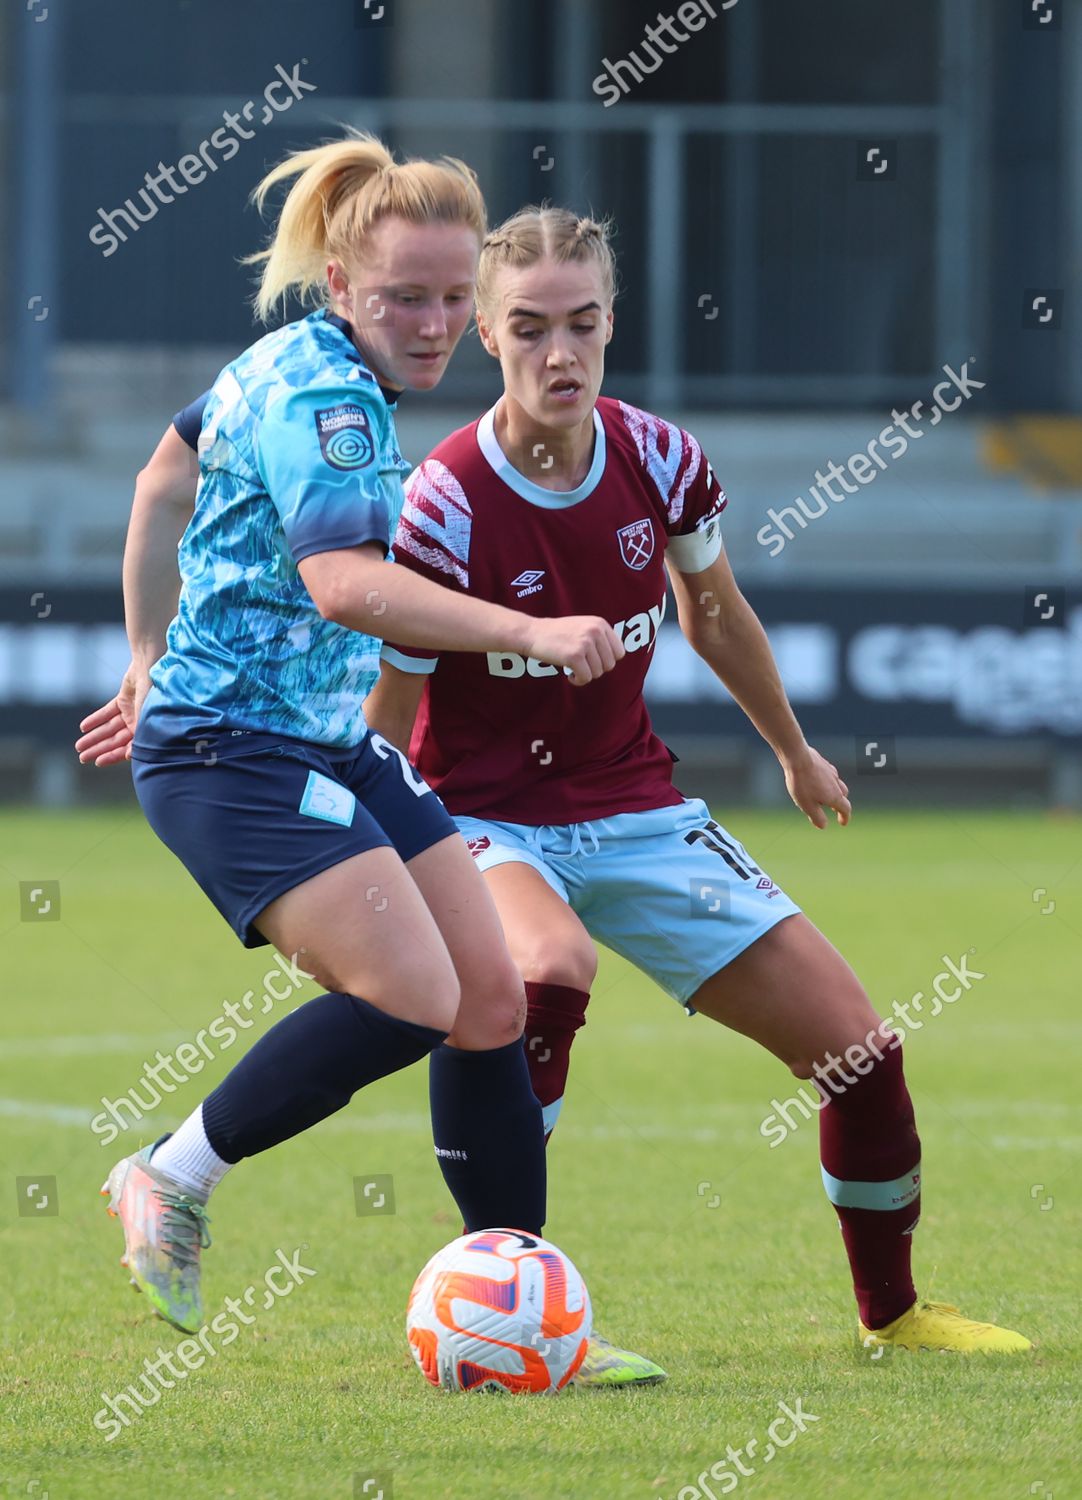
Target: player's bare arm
x,y
354,587
721,627
162,507
391,707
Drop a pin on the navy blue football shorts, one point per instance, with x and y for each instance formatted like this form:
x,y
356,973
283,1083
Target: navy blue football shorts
x,y
251,818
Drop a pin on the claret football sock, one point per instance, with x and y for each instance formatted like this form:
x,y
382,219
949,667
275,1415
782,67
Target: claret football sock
x,y
490,1141
870,1154
305,1068
554,1013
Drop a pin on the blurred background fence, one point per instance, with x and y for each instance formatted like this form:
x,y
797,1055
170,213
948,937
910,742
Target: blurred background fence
x,y
825,214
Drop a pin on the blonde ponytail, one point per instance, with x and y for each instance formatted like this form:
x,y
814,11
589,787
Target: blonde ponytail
x,y
342,189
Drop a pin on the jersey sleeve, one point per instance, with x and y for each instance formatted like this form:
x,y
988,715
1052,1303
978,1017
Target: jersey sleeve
x,y
318,455
695,506
675,467
189,421
432,539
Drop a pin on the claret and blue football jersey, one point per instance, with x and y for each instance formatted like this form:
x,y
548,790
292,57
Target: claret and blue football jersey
x,y
298,455
504,736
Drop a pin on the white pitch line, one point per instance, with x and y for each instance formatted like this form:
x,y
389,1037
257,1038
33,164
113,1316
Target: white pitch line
x,y
85,1046
67,1114
388,1121
698,1134
378,1124
54,1114
1025,1107
1031,1030
1036,1142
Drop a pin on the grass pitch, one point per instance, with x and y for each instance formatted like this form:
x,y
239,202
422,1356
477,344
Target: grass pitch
x,y
702,1246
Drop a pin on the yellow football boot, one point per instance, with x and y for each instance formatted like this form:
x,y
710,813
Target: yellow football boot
x,y
939,1327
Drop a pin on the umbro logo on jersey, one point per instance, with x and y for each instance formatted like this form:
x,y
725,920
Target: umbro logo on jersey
x,y
528,582
637,543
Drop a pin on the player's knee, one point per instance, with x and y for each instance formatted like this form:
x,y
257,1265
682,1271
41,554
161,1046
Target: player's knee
x,y
850,1056
492,1012
440,1009
506,1021
433,994
326,977
513,1009
425,990
497,1012
556,959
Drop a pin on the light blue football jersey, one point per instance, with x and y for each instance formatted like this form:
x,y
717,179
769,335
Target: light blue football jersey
x,y
297,455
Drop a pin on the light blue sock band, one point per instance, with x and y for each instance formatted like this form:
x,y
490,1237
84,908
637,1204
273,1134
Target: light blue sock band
x,y
883,1196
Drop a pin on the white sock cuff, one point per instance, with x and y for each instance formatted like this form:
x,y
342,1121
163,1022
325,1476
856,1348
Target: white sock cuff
x,y
189,1159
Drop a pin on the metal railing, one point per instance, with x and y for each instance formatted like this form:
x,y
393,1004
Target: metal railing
x,y
952,126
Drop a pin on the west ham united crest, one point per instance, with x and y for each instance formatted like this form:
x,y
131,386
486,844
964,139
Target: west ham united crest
x,y
637,543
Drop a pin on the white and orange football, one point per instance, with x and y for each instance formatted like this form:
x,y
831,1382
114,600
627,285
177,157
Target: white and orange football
x,y
499,1310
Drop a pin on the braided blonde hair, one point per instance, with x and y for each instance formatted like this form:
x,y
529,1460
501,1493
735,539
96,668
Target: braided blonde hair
x,y
540,233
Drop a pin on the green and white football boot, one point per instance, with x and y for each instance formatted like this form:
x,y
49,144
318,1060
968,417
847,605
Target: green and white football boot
x,y
606,1365
165,1228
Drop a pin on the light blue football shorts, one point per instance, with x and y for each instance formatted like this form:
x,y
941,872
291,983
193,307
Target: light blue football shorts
x,y
670,890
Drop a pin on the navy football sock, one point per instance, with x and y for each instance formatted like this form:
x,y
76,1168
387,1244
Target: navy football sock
x,y
305,1068
489,1135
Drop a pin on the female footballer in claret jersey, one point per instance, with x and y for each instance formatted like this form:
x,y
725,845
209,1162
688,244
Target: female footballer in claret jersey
x,y
558,496
555,499
251,758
